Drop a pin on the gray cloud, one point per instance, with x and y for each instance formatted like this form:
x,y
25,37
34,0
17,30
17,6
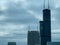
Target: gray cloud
x,y
17,13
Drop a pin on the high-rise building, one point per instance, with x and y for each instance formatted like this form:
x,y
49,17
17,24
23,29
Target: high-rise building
x,y
45,27
33,37
47,23
11,43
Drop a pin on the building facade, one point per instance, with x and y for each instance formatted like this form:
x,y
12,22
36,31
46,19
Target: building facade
x,y
33,37
45,27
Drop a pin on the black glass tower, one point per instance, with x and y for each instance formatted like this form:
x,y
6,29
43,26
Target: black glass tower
x,y
45,27
33,38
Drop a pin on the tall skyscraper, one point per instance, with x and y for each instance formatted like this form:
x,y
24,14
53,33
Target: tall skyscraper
x,y
11,43
45,27
47,23
33,38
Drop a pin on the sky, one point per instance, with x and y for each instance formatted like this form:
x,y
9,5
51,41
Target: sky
x,y
17,15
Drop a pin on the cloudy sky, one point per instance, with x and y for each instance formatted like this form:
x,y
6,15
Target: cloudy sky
x,y
16,15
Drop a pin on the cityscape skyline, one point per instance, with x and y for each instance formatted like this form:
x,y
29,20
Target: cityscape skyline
x,y
17,15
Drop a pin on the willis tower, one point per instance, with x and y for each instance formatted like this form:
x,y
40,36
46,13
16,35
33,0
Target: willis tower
x,y
45,26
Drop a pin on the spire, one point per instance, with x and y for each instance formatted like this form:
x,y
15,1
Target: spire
x,y
48,4
29,28
44,4
37,28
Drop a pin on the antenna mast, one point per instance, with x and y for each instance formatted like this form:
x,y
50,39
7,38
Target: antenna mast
x,y
29,28
37,27
48,4
44,4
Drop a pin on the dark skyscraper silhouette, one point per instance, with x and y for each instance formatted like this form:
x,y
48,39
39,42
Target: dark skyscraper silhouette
x,y
47,22
45,27
33,37
11,43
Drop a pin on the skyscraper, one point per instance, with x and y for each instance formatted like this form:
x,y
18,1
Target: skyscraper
x,y
47,23
11,43
45,27
33,37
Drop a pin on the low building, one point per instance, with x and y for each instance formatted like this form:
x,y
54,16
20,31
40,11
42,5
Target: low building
x,y
53,43
11,43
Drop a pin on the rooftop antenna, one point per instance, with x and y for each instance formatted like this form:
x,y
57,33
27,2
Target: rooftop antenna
x,y
37,28
44,4
29,28
48,4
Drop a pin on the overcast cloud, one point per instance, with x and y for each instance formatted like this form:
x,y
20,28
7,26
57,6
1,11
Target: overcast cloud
x,y
16,15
